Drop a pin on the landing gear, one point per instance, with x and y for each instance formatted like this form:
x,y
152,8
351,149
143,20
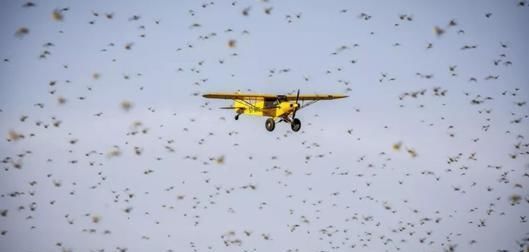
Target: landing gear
x,y
296,125
237,116
270,124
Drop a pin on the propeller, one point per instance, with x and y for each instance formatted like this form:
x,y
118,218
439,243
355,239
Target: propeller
x,y
297,107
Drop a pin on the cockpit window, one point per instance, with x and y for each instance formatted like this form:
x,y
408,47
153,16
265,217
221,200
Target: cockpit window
x,y
279,99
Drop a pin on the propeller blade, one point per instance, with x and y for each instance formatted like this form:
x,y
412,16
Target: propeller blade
x,y
297,106
297,97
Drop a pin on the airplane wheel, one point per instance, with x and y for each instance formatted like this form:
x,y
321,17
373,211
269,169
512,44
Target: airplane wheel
x,y
296,125
237,116
270,124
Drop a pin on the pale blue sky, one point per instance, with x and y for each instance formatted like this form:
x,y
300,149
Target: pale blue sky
x,y
338,174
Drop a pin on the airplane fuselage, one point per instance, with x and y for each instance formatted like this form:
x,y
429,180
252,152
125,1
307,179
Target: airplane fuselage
x,y
268,108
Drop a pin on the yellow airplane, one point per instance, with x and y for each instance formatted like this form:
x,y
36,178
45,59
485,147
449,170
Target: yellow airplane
x,y
282,108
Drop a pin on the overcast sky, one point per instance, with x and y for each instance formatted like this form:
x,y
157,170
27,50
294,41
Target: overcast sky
x,y
108,144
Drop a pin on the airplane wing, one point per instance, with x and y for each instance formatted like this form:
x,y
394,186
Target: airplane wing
x,y
307,100
316,97
242,96
238,96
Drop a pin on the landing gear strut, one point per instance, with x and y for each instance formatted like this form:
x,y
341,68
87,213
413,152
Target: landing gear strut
x,y
296,125
270,124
